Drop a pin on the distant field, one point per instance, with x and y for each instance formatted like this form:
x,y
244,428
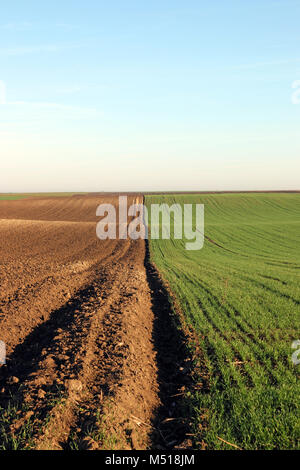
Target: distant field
x,y
9,196
241,295
6,197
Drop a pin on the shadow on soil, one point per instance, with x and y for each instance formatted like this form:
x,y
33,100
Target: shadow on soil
x,y
26,359
171,422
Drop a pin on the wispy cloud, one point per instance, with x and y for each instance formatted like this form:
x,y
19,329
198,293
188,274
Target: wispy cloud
x,y
256,65
29,26
46,104
23,50
22,26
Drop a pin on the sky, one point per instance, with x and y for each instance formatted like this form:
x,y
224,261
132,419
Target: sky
x,y
149,96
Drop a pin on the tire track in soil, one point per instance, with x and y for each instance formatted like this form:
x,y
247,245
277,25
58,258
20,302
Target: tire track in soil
x,y
101,353
107,349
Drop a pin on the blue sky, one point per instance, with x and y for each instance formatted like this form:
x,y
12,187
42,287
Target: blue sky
x,y
159,95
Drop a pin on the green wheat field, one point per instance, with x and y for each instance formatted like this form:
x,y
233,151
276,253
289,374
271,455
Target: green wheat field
x,y
240,295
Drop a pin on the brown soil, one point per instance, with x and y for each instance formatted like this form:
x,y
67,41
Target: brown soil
x,y
94,357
